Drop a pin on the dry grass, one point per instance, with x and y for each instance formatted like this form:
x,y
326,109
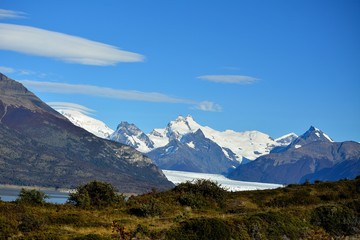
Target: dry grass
x,y
247,214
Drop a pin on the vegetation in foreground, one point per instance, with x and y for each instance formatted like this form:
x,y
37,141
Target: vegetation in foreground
x,y
192,210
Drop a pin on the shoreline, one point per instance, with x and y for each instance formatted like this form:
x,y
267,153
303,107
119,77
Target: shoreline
x,y
62,190
52,189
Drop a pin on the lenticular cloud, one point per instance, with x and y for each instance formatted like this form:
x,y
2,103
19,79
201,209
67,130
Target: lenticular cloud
x,y
72,49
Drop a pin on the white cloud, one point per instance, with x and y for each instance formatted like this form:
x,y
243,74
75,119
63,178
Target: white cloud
x,y
71,106
68,48
91,90
6,70
208,106
11,14
229,79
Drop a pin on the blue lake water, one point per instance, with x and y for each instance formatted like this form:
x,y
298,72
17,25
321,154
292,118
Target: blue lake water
x,y
10,194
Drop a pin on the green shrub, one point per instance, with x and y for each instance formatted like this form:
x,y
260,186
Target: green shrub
x,y
95,194
149,208
32,197
7,229
67,219
201,229
275,225
300,196
30,223
336,219
192,200
140,232
201,193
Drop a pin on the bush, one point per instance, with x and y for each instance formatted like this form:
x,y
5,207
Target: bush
x,y
201,229
7,229
200,193
29,223
300,196
95,194
149,208
336,219
32,197
275,225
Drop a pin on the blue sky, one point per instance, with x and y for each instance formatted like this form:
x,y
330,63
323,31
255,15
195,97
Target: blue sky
x,y
275,66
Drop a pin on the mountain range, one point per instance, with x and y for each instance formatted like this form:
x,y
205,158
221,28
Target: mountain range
x,y
312,156
41,147
186,145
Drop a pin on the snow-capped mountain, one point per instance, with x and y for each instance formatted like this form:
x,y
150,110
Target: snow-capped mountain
x,y
248,144
313,155
92,125
286,139
195,153
311,135
131,135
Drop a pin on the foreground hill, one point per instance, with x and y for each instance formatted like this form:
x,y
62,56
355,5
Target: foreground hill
x,y
312,156
41,147
199,210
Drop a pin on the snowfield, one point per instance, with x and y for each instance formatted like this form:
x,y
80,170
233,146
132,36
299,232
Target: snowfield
x,y
230,185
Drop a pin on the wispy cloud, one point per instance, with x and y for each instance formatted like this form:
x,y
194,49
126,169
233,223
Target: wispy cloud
x,y
91,90
71,106
106,92
22,72
237,79
208,106
11,14
6,70
68,48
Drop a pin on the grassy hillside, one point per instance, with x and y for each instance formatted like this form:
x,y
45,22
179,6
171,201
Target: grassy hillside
x,y
199,210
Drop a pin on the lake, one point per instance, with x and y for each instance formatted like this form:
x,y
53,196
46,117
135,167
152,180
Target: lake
x,y
9,194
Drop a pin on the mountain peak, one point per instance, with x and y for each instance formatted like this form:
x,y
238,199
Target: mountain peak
x,y
130,134
181,118
313,134
319,135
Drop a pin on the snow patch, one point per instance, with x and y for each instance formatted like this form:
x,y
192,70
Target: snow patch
x,y
92,125
191,144
297,146
327,137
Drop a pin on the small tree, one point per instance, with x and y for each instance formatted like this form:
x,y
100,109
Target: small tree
x,y
201,193
33,197
95,194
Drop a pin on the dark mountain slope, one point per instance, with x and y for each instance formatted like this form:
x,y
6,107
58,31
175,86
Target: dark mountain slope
x,y
307,155
38,146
